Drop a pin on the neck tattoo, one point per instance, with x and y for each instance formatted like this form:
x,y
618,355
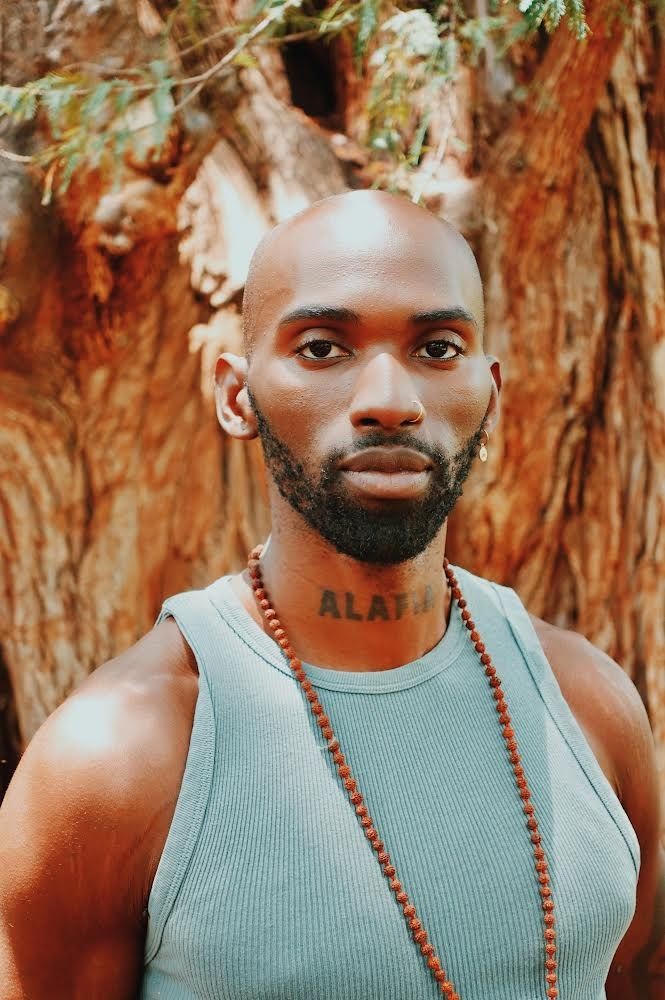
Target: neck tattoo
x,y
523,799
378,607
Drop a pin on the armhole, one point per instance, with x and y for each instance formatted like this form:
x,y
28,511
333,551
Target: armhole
x,y
545,680
195,787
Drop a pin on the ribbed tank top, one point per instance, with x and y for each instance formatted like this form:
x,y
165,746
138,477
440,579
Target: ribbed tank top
x,y
268,889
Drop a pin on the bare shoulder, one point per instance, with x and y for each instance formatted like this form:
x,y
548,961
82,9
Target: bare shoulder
x,y
94,792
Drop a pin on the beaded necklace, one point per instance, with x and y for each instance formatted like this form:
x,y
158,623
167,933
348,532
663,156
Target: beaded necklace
x,y
418,932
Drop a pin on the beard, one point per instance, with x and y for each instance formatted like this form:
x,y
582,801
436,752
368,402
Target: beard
x,y
384,537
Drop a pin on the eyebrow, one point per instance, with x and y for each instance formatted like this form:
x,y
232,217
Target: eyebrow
x,y
339,315
454,315
319,313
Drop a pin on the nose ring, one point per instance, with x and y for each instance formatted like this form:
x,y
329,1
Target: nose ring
x,y
421,413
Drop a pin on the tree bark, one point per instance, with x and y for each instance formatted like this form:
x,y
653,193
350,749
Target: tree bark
x,y
116,487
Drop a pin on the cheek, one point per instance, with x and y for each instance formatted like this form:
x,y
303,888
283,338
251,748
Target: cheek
x,y
464,399
297,405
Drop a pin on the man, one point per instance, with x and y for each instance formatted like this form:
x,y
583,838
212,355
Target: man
x,y
202,818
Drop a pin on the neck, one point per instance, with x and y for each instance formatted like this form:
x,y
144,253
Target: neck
x,y
347,615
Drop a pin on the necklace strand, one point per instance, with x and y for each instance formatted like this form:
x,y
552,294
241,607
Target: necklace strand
x,y
418,932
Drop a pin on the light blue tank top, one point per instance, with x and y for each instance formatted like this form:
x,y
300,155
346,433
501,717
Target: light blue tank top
x,y
268,889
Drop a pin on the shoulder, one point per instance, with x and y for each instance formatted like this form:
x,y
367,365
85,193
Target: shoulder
x,y
612,715
99,780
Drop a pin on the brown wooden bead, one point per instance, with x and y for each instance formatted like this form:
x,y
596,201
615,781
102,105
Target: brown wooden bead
x,y
419,934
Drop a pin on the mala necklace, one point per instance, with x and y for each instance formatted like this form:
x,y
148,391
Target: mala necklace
x,y
418,932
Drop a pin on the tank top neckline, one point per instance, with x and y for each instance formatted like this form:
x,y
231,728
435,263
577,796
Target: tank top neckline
x,y
441,656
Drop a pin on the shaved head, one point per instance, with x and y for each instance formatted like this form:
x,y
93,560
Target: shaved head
x,y
367,232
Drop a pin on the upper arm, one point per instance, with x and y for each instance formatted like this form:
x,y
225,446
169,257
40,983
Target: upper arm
x,y
68,918
639,963
81,829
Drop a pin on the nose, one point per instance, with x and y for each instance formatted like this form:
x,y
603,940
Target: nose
x,y
384,395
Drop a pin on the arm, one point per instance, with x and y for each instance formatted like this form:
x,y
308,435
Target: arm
x,y
610,711
83,825
638,969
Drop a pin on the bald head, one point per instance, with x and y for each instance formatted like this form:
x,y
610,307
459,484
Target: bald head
x,y
372,238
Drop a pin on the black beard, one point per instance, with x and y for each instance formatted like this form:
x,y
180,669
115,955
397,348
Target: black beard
x,y
380,537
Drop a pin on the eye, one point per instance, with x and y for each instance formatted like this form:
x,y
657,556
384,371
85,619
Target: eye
x,y
321,350
440,350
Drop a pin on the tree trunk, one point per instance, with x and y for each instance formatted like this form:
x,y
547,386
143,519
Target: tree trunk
x,y
116,487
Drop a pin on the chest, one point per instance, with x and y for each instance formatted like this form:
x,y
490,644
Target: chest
x,y
283,896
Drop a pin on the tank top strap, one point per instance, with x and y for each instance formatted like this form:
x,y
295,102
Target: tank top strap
x,y
200,624
524,635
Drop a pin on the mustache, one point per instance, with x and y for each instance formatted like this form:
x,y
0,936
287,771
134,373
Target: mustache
x,y
379,439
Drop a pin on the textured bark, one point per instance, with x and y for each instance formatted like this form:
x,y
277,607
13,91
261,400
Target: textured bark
x,y
116,487
570,510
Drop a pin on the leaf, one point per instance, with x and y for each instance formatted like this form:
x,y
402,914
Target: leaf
x,y
367,22
56,101
19,102
95,101
160,70
69,166
162,105
416,147
123,94
245,58
10,99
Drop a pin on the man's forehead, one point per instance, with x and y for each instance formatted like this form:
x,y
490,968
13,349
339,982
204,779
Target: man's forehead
x,y
362,247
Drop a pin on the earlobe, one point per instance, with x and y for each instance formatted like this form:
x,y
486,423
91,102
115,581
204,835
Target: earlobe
x,y
234,411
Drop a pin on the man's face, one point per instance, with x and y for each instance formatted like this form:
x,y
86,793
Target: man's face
x,y
359,319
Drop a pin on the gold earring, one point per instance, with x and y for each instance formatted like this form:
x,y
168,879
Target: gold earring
x,y
482,454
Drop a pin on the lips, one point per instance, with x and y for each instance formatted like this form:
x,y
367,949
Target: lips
x,y
386,460
387,474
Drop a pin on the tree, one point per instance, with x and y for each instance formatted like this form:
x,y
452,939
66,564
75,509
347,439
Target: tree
x,y
131,203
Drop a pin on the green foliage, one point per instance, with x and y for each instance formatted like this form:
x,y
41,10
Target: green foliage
x,y
409,55
368,18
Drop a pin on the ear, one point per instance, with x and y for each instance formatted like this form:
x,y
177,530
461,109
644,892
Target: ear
x,y
234,411
493,407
